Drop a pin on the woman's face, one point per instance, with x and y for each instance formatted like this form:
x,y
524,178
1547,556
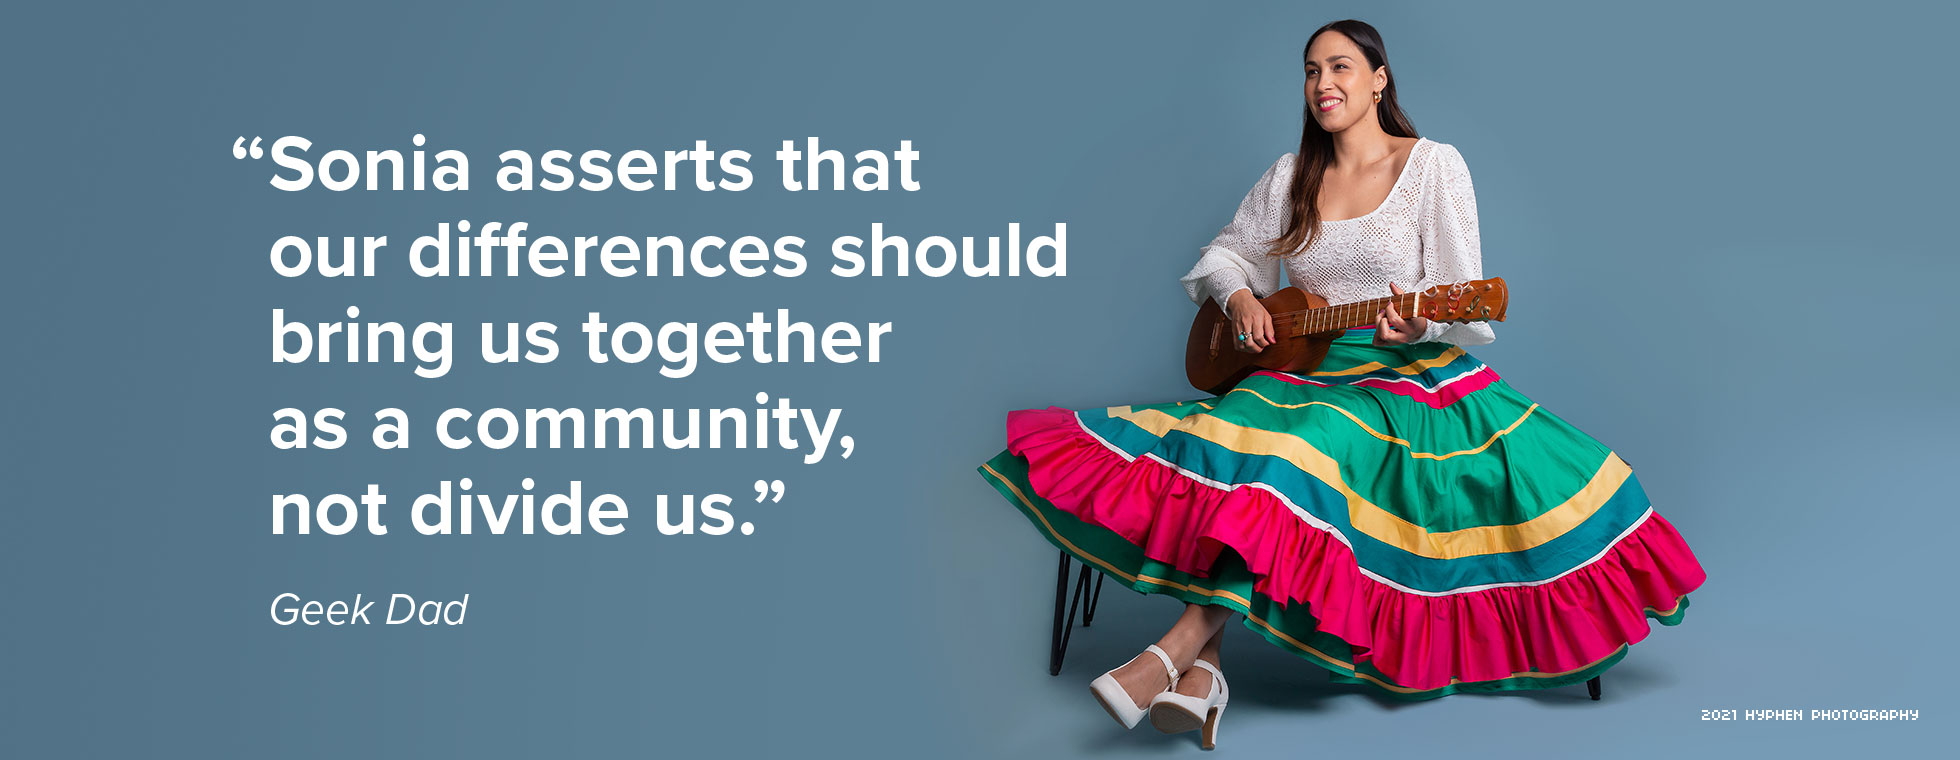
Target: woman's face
x,y
1340,86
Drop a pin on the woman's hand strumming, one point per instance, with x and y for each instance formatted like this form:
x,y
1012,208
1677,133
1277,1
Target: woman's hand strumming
x,y
1250,319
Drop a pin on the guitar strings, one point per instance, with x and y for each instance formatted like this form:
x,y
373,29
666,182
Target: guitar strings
x,y
1340,316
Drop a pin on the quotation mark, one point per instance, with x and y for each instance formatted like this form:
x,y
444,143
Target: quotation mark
x,y
238,148
762,490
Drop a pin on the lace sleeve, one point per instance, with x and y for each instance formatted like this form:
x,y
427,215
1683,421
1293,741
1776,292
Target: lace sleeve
x,y
1451,249
1236,259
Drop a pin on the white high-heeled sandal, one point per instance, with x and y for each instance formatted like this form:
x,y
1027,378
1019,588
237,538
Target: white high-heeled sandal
x,y
1117,701
1174,713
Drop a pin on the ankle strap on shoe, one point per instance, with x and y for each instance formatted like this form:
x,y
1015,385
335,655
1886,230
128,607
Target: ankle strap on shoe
x,y
1169,667
1210,667
1217,680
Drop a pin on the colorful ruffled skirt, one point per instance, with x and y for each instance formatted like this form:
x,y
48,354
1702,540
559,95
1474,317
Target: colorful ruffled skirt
x,y
1400,516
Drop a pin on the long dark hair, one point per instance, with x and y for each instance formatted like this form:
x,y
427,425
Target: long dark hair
x,y
1317,145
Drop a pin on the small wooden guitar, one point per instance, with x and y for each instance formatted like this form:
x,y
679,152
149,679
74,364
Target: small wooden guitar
x,y
1304,326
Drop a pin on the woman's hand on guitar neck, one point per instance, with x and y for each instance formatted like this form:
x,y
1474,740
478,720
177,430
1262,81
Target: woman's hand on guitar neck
x,y
1391,329
1250,319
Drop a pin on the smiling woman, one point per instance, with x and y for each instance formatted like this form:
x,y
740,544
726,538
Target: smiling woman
x,y
1398,515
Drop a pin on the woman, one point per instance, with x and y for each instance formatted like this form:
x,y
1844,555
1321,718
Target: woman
x,y
1400,515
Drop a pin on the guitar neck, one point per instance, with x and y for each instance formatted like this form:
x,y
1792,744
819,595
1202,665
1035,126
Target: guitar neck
x,y
1472,301
1342,316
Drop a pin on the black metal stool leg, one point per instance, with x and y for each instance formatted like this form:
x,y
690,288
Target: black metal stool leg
x,y
1056,644
1065,610
1592,688
1089,613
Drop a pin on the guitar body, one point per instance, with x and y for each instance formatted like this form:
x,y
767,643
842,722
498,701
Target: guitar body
x,y
1304,327
1214,365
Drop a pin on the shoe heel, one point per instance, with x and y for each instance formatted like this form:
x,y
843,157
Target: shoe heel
x,y
1209,736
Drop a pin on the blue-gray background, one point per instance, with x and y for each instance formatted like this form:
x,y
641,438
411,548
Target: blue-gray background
x,y
1724,227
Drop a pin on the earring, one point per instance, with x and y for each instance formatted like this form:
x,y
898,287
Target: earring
x,y
1378,96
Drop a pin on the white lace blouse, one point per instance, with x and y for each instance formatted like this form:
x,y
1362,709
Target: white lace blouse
x,y
1425,233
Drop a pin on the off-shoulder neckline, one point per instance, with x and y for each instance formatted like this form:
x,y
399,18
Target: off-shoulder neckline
x,y
1408,168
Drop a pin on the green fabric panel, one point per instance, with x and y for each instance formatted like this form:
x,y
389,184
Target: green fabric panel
x,y
1479,488
1469,490
1395,563
1355,348
1125,435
